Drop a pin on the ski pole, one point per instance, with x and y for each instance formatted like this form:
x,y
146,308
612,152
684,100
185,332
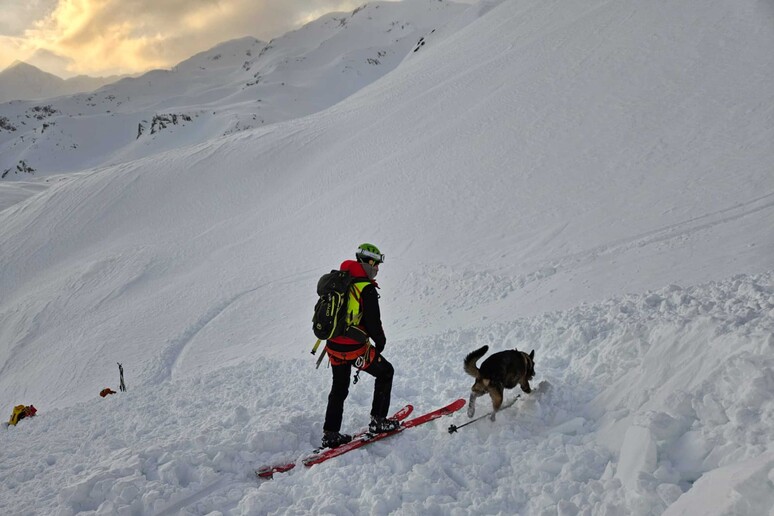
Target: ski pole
x,y
454,428
122,387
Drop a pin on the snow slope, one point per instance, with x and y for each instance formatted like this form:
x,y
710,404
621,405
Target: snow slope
x,y
235,86
591,180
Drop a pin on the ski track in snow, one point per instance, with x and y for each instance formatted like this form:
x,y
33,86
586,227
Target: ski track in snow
x,y
673,232
175,352
684,229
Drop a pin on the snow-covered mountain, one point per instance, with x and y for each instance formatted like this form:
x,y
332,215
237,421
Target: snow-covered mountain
x,y
591,180
237,85
23,81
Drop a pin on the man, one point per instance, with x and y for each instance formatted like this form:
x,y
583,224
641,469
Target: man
x,y
354,348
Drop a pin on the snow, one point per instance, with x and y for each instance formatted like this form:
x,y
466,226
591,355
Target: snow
x,y
589,180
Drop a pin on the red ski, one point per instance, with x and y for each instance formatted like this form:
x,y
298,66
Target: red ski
x,y
268,471
361,440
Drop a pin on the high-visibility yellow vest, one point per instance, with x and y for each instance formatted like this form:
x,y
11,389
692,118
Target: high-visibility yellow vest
x,y
354,308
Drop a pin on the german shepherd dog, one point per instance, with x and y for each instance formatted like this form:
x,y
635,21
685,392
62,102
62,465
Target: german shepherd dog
x,y
502,370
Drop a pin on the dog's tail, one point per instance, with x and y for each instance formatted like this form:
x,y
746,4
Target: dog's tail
x,y
470,361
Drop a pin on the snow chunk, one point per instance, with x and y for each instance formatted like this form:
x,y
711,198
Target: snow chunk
x,y
743,488
638,454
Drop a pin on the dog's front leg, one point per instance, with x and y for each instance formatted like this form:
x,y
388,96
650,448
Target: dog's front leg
x,y
497,400
472,404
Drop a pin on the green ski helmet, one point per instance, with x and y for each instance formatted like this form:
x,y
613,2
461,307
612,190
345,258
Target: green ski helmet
x,y
367,252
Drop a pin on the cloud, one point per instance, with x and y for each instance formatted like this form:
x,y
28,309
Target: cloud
x,y
49,61
19,15
102,37
15,17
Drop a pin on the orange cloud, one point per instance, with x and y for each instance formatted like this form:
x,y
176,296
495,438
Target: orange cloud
x,y
103,37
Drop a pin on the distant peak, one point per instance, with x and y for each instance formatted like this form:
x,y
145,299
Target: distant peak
x,y
25,68
21,68
20,64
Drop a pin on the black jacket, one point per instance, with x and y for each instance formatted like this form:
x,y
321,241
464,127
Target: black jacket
x,y
372,317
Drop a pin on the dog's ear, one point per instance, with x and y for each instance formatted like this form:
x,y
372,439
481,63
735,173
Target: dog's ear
x,y
532,355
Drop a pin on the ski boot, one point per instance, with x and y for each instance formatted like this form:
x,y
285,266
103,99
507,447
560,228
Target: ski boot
x,y
380,425
334,439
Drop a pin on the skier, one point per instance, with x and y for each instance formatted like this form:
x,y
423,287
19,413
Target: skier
x,y
354,348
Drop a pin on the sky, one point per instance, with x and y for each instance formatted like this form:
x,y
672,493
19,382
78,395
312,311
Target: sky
x,y
540,175
107,37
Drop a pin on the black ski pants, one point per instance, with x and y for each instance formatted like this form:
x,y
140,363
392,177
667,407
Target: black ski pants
x,y
380,369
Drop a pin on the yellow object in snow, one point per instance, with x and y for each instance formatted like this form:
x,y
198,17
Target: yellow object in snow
x,y
20,412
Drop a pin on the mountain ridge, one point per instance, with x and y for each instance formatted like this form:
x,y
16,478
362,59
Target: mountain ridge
x,y
23,81
235,86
